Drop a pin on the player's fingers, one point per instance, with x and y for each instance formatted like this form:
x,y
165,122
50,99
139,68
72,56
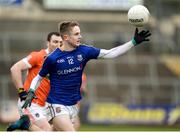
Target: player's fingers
x,y
136,31
24,106
147,32
147,35
29,104
146,39
142,32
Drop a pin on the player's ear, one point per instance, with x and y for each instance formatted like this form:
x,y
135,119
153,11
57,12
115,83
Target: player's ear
x,y
65,37
47,43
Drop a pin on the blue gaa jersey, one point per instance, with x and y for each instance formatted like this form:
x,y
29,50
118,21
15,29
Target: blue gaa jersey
x,y
65,70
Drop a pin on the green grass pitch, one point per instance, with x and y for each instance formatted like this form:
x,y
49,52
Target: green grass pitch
x,y
88,127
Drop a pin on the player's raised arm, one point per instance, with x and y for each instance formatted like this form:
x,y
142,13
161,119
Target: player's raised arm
x,y
138,38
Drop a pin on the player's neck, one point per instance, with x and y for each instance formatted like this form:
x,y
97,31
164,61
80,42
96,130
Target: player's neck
x,y
68,47
47,51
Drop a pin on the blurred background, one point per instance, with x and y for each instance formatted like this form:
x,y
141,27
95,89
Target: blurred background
x,y
140,87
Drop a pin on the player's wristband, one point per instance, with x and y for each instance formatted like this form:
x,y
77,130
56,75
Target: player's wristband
x,y
22,93
20,90
31,90
134,42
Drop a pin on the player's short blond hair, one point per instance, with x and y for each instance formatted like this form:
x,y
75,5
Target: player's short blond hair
x,y
66,27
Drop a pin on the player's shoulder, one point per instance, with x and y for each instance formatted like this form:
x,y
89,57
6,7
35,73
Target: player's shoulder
x,y
85,46
40,52
37,54
53,54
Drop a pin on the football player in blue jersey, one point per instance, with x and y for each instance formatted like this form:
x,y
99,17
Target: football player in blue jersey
x,y
65,68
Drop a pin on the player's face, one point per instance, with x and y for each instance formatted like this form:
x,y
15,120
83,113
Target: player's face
x,y
75,36
55,42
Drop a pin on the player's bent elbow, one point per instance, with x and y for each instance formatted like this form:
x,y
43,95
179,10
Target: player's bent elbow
x,y
18,67
12,69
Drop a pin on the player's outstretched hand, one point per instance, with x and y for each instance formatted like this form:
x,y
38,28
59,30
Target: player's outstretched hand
x,y
141,36
29,98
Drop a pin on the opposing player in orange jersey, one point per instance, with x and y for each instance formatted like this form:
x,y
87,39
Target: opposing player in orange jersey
x,y
33,63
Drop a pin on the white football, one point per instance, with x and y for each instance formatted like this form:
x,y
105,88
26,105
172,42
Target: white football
x,y
138,15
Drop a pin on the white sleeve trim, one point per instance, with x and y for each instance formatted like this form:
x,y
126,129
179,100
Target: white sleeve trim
x,y
25,60
115,52
35,82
